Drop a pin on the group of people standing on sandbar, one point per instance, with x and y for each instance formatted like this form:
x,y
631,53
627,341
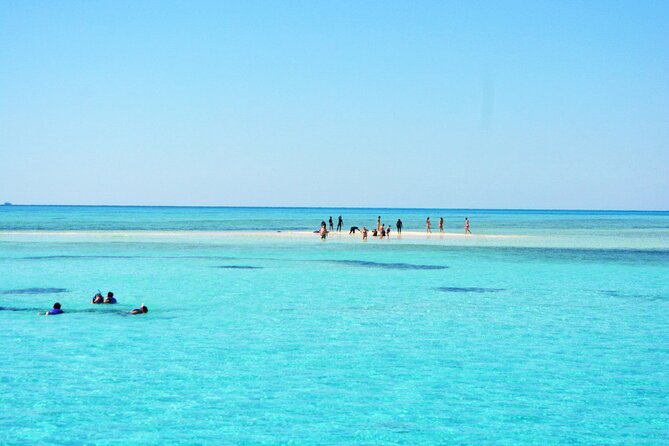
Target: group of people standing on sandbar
x,y
428,225
381,230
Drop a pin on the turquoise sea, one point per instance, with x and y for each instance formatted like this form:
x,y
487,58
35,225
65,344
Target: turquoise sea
x,y
543,327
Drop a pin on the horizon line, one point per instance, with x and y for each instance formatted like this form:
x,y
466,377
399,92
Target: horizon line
x,y
9,204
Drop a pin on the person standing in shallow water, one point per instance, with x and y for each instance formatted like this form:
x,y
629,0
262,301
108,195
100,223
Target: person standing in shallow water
x,y
340,222
378,223
398,225
467,231
428,226
331,224
441,224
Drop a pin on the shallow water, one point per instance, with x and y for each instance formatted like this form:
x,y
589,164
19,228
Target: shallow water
x,y
557,338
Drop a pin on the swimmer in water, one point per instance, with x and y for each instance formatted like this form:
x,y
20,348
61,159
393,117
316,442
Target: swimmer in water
x,y
55,310
141,310
98,299
110,298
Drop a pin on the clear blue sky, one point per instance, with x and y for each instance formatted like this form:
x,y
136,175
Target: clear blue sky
x,y
410,104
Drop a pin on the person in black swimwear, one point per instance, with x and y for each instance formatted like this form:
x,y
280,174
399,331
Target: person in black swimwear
x,y
398,226
353,229
331,224
340,222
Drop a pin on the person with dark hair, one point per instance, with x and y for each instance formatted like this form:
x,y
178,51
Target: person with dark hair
x,y
467,231
378,223
364,233
110,298
398,225
55,310
388,231
98,299
141,310
340,222
441,224
353,229
331,224
382,233
428,226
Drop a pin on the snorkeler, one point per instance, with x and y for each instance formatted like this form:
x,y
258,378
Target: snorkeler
x,y
98,299
110,298
55,310
141,310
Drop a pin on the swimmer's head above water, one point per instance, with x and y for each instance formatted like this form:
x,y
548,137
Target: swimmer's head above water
x,y
55,310
141,310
